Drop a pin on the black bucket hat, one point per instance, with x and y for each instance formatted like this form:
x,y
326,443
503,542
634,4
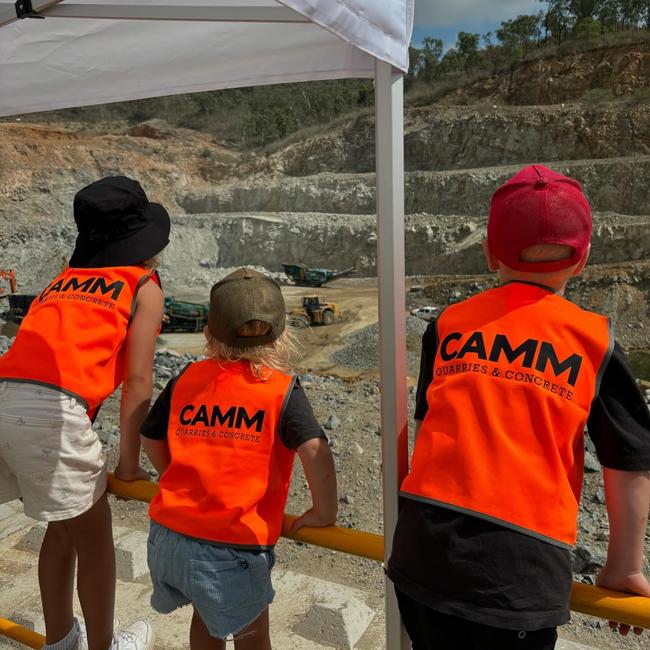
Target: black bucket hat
x,y
117,224
240,297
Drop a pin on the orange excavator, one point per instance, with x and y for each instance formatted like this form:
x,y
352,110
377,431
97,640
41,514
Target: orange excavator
x,y
18,303
7,280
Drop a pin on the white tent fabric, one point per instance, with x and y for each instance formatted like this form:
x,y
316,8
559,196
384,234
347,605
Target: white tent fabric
x,y
60,62
131,49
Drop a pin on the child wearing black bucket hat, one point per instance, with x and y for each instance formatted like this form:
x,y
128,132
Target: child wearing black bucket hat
x,y
223,435
91,329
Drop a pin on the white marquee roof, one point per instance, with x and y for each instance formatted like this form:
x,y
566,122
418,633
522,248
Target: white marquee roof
x,y
96,51
65,60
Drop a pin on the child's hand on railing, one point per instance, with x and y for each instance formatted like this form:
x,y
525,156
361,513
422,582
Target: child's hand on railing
x,y
633,583
131,473
311,518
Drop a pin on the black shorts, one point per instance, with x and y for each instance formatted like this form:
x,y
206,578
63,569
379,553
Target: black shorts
x,y
431,630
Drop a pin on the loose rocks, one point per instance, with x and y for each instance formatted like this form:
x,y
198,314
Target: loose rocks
x,y
5,343
362,349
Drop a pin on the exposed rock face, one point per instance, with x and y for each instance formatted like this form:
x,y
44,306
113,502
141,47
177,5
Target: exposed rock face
x,y
201,244
611,184
441,138
43,166
434,244
523,135
620,291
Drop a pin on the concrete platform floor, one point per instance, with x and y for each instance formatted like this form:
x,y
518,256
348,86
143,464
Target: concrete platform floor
x,y
306,610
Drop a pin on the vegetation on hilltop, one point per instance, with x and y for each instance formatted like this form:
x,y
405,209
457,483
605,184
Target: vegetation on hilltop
x,y
565,27
240,117
254,117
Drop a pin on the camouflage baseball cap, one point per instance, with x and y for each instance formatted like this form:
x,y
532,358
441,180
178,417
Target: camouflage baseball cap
x,y
243,296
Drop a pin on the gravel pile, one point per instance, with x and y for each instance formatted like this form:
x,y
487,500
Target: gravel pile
x,y
168,364
5,343
206,274
362,349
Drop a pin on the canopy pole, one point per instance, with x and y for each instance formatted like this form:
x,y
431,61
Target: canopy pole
x,y
182,12
389,161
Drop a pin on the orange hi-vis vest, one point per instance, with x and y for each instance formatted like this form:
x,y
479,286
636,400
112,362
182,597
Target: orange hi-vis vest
x,y
73,335
515,372
229,475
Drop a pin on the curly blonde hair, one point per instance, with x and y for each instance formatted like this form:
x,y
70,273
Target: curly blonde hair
x,y
281,354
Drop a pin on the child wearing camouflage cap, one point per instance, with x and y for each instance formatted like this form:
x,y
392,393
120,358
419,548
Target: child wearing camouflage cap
x,y
223,435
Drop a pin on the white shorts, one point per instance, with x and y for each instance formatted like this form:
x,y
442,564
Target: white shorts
x,y
49,454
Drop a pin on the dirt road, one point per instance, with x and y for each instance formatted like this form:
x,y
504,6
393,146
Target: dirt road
x,y
357,300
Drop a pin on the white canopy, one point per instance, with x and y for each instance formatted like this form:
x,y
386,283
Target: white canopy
x,y
96,51
167,47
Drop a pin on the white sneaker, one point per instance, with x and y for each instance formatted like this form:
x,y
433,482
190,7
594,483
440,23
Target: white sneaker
x,y
138,636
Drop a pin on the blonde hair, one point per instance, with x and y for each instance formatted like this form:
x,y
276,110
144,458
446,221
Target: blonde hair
x,y
280,354
152,263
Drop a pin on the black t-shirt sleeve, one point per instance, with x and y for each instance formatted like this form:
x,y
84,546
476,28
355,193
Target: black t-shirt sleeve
x,y
156,423
298,422
429,348
619,421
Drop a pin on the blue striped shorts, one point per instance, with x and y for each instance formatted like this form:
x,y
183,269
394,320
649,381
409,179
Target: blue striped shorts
x,y
228,587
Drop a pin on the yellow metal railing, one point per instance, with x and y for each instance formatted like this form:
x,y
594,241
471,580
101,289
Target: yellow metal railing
x,y
21,634
346,540
625,608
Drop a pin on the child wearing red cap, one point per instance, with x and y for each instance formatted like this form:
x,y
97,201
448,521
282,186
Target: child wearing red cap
x,y
508,380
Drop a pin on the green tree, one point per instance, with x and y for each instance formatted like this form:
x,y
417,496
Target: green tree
x,y
582,9
607,15
631,12
645,14
431,56
415,66
587,29
521,33
558,19
467,46
492,54
451,62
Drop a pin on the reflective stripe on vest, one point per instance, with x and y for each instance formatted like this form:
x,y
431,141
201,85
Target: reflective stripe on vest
x,y
515,373
229,475
73,335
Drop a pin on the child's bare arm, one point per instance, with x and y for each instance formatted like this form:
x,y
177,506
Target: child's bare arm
x,y
138,383
158,453
317,461
628,500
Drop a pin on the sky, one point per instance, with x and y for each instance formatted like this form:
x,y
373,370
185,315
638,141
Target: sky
x,y
445,18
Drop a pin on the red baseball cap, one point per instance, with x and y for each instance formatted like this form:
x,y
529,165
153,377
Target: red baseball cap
x,y
538,206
